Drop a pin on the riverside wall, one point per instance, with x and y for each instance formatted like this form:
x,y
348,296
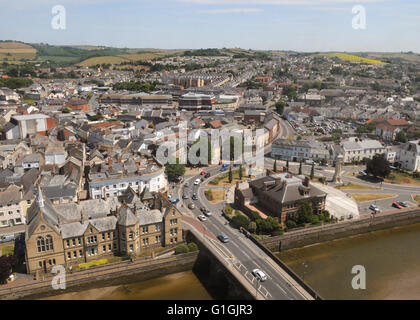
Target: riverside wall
x,y
318,234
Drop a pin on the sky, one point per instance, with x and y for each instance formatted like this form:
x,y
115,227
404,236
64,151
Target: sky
x,y
299,25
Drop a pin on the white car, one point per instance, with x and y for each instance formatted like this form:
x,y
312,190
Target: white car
x,y
197,181
259,275
202,218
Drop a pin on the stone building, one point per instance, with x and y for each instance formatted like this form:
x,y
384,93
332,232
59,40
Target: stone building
x,y
278,195
71,233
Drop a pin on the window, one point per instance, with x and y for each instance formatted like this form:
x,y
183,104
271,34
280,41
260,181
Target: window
x,y
80,253
73,241
1,214
80,241
69,255
10,212
103,236
157,226
173,221
18,220
131,248
109,247
157,239
109,235
104,248
75,254
131,235
40,264
49,243
145,229
54,261
40,243
145,242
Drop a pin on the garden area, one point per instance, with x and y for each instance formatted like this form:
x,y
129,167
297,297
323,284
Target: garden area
x,y
215,196
354,186
305,216
399,176
224,180
185,248
256,225
362,197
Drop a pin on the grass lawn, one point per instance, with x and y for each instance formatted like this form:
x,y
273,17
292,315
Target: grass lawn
x,y
7,250
401,178
215,196
353,186
223,180
361,197
416,197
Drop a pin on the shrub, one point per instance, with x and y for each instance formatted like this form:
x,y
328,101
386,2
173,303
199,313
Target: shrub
x,y
92,263
182,248
192,247
228,210
241,221
254,215
290,224
314,219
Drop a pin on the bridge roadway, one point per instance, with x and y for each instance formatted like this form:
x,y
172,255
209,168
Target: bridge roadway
x,y
240,252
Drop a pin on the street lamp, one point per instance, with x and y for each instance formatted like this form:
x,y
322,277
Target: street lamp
x,y
304,270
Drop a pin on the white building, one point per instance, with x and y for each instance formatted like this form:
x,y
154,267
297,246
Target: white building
x,y
292,150
356,149
409,156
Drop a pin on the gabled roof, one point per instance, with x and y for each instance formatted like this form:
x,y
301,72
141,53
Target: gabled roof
x,y
127,217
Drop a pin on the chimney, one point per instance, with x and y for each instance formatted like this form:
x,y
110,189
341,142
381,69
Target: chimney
x,y
119,160
82,216
110,163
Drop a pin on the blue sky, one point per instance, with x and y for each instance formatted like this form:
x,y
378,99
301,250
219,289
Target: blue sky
x,y
301,25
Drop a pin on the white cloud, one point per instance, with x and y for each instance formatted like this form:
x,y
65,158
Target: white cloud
x,y
236,10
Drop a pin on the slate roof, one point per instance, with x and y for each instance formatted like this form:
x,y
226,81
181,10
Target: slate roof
x,y
149,216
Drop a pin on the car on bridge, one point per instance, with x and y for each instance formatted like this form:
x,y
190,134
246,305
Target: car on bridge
x,y
261,276
222,237
396,205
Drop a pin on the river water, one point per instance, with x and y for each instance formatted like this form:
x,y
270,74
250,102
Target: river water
x,y
177,286
391,259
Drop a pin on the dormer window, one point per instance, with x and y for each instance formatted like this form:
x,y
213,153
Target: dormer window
x,y
90,230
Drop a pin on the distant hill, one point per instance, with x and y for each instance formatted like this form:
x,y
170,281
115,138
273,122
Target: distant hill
x,y
14,52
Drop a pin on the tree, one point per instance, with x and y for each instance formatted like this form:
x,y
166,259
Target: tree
x,y
287,165
378,166
304,212
290,223
6,265
241,221
252,227
312,171
280,106
174,171
192,246
182,248
230,174
290,92
275,166
300,167
240,172
401,137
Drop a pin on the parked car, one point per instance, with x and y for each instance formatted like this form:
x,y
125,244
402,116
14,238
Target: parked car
x,y
309,162
191,206
207,175
185,196
257,273
374,207
222,237
7,238
202,218
194,196
225,165
207,212
197,181
223,169
187,184
202,209
363,173
174,200
397,205
403,204
203,173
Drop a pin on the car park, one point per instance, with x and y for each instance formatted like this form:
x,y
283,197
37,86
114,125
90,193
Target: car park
x,y
202,218
261,276
222,237
191,206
